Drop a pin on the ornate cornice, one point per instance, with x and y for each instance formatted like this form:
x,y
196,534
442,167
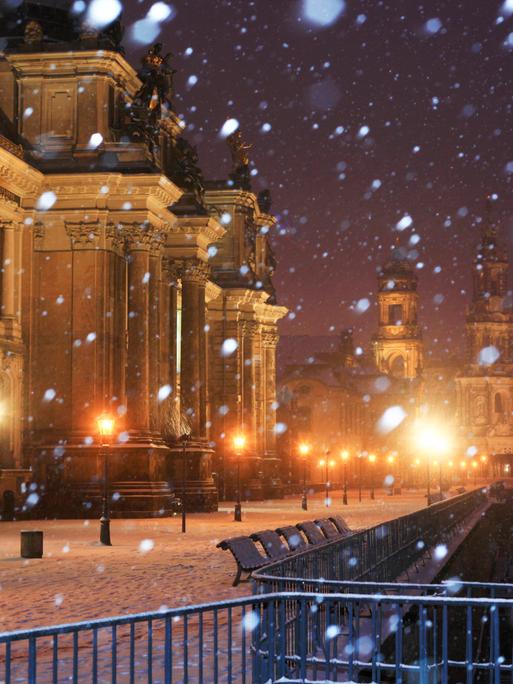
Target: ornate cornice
x,y
11,147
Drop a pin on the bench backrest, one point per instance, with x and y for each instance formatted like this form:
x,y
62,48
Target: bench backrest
x,y
294,538
328,529
273,544
244,551
312,532
340,524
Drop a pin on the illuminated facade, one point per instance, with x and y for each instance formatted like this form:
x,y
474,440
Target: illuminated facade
x,y
398,347
112,295
485,387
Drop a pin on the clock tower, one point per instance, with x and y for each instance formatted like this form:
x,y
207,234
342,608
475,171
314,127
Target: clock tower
x,y
398,348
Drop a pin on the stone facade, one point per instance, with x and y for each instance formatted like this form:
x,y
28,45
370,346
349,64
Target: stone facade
x,y
485,385
398,348
111,300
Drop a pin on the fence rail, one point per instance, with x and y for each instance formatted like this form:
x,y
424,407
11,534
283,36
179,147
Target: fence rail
x,y
381,553
287,637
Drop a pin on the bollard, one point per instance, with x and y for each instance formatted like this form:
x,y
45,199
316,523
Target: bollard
x,y
31,543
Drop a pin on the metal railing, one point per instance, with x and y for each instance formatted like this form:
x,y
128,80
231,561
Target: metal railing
x,y
381,553
287,637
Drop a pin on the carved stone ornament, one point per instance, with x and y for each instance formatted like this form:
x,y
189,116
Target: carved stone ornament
x,y
194,271
82,234
33,33
39,232
143,236
270,338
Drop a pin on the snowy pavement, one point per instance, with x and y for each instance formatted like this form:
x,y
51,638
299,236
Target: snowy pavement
x,y
151,564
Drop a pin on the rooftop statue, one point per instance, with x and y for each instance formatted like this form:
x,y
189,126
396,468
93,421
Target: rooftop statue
x,y
157,81
240,160
184,170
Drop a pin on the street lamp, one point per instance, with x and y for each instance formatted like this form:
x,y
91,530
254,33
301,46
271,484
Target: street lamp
x,y
390,461
184,439
372,461
344,455
474,467
431,440
327,463
239,442
105,430
360,456
304,450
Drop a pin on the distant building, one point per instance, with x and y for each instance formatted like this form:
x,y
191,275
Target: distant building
x,y
485,385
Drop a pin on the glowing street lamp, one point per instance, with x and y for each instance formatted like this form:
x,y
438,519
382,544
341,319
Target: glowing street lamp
x,y
344,455
432,441
304,449
326,462
474,468
372,461
239,442
105,426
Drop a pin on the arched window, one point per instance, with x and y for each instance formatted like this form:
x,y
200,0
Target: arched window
x,y
498,403
398,367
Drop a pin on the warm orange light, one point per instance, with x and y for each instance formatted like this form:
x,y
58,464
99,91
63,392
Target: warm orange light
x,y
105,425
417,461
239,442
462,464
390,459
483,459
322,462
474,464
332,463
344,454
451,464
372,458
304,449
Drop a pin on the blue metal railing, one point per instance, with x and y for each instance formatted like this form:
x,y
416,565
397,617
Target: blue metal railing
x,y
287,637
381,553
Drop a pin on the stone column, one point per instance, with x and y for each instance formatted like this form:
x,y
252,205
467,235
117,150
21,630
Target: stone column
x,y
271,462
138,375
194,277
200,490
8,266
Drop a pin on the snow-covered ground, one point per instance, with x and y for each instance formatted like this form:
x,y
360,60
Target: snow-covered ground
x,y
151,564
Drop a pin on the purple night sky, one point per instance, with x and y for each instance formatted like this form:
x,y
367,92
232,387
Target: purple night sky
x,y
395,109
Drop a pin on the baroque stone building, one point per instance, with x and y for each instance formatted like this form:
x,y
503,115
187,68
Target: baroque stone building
x,y
485,385
398,348
121,284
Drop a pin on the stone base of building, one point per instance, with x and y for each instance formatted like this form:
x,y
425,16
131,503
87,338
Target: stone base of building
x,y
195,473
69,479
133,499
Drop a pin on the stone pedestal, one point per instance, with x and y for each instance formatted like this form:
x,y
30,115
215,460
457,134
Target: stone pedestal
x,y
200,489
72,475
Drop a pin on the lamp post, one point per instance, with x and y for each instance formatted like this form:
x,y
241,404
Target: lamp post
x,y
326,463
432,441
390,461
184,439
474,468
344,455
239,442
304,450
372,461
360,476
105,430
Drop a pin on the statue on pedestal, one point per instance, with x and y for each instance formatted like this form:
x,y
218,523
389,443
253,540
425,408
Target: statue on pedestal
x,y
240,160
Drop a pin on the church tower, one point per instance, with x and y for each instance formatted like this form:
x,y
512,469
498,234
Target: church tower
x,y
485,388
398,348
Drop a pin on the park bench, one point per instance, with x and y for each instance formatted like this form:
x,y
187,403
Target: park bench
x,y
272,543
294,538
246,555
312,532
329,530
340,524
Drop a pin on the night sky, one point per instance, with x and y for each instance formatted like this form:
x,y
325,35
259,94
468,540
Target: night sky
x,y
394,110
